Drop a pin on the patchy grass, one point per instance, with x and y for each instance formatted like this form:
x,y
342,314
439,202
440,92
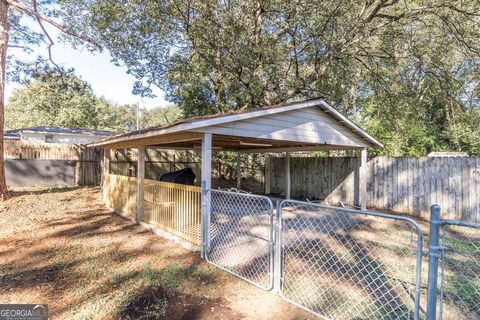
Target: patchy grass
x,y
462,273
60,246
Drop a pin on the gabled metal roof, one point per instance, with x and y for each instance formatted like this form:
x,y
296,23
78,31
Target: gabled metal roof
x,y
192,124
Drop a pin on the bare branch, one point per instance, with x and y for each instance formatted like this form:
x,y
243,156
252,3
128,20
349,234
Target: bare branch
x,y
57,25
16,46
40,23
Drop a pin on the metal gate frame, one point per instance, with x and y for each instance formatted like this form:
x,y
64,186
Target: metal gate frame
x,y
270,236
276,244
276,249
279,252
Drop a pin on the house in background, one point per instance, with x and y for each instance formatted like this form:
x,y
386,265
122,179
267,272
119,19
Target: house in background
x,y
57,135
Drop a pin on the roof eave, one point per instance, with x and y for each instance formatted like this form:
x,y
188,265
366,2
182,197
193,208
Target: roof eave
x,y
195,124
352,125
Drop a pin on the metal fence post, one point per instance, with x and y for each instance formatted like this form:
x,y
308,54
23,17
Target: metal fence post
x,y
203,224
433,261
277,264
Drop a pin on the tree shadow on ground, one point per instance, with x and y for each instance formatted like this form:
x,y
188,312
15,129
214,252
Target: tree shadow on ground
x,y
153,302
17,192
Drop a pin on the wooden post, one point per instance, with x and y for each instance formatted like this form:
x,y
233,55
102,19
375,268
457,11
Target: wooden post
x,y
140,178
78,171
287,175
239,171
105,171
206,185
267,174
363,180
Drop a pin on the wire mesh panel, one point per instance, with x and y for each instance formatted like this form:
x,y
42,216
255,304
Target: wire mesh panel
x,y
348,264
460,277
240,239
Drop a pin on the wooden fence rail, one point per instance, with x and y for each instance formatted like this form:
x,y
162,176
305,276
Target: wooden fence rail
x,y
402,185
18,149
31,163
172,207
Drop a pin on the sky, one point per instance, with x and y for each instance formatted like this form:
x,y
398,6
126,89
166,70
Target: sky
x,y
106,79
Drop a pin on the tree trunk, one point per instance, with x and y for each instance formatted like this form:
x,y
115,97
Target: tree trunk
x,y
3,55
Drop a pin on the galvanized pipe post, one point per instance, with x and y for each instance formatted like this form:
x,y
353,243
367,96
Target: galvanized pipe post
x,y
206,185
277,264
433,254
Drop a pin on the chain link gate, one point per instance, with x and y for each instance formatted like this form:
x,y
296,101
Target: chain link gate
x,y
240,236
336,263
460,271
348,264
340,263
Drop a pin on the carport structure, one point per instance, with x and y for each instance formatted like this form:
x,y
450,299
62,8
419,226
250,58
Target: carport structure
x,y
179,211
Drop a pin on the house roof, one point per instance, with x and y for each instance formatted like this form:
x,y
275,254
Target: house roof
x,y
12,134
447,154
204,124
15,133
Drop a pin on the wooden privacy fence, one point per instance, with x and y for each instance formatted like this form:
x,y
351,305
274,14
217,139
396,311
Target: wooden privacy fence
x,y
402,185
18,149
172,207
37,158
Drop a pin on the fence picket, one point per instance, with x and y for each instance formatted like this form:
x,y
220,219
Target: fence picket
x,y
404,185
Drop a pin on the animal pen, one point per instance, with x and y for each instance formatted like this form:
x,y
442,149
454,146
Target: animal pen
x,y
334,262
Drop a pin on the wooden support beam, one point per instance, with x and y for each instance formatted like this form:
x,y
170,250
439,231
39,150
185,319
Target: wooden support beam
x,y
363,180
287,175
324,147
140,179
206,185
239,171
105,171
167,139
267,174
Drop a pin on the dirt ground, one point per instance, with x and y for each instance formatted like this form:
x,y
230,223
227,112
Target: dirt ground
x,y
61,247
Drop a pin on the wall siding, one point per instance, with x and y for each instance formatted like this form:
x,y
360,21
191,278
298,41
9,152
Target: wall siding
x,y
310,125
401,185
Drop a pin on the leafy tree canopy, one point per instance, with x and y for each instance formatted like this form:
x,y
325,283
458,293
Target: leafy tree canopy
x,y
406,70
53,98
62,99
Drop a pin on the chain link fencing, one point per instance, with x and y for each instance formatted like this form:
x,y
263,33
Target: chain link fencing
x,y
460,271
240,236
347,264
341,263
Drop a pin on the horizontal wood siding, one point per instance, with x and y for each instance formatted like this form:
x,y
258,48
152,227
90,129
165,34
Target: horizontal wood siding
x,y
402,185
121,193
310,125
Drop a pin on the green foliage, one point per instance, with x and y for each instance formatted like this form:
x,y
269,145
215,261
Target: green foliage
x,y
58,99
160,116
407,70
64,100
124,117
